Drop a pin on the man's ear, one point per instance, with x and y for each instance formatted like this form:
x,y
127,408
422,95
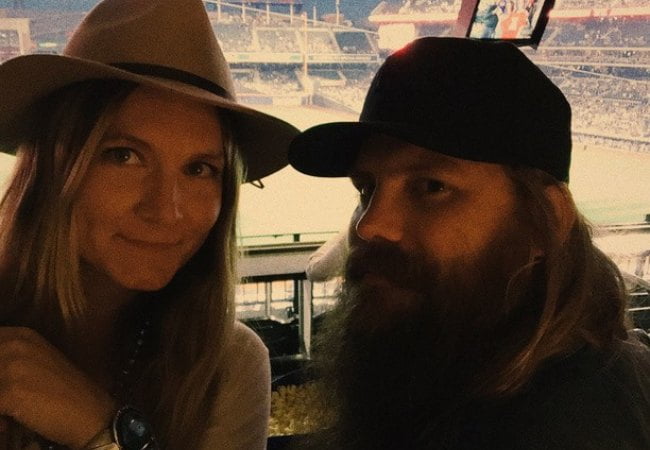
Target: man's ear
x,y
564,209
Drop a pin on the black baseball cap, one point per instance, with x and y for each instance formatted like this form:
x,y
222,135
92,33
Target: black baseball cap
x,y
482,101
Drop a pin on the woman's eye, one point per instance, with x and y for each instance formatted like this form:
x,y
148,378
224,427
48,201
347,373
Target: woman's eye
x,y
202,170
120,155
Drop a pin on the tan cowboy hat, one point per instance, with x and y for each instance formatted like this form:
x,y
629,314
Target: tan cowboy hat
x,y
168,44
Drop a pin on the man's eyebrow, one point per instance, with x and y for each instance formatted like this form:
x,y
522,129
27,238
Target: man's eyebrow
x,y
442,164
438,162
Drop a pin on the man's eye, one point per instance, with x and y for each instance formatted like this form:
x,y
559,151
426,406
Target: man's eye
x,y
433,186
365,193
202,170
428,189
120,155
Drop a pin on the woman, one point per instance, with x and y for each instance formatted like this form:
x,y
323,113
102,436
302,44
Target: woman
x,y
117,239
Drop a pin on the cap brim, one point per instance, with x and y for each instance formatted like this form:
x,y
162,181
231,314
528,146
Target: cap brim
x,y
331,149
262,139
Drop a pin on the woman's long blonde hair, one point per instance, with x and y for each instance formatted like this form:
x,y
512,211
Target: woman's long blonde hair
x,y
40,283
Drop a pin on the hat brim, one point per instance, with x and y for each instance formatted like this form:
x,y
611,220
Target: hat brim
x,y
331,149
262,139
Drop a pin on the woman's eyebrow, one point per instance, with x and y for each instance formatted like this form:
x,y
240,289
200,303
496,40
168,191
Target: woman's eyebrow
x,y
211,155
113,136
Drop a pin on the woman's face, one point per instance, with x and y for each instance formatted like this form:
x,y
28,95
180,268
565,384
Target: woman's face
x,y
152,191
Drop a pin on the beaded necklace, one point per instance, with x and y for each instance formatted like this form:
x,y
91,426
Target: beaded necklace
x,y
122,384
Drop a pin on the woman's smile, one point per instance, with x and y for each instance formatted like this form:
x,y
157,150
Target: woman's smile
x,y
149,244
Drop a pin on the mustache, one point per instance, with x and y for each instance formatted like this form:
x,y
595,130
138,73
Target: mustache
x,y
405,270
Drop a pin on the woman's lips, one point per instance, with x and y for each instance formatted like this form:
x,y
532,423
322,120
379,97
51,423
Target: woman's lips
x,y
161,244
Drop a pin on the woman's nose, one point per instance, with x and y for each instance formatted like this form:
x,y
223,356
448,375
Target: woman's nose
x,y
162,199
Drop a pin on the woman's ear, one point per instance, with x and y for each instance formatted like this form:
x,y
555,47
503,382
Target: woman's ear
x,y
564,209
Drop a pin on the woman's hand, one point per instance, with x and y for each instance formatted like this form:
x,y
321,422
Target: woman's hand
x,y
46,393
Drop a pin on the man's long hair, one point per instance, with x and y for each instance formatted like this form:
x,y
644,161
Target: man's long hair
x,y
486,341
40,280
584,294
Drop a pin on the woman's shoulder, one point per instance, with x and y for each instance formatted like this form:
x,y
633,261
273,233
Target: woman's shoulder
x,y
244,343
244,364
240,414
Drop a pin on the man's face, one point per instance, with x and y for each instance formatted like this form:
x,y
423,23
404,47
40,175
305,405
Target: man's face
x,y
434,244
429,229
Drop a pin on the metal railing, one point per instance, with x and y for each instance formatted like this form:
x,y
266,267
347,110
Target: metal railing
x,y
270,298
289,302
285,307
317,237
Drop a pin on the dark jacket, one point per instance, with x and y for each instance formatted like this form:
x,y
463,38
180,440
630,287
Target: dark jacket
x,y
589,400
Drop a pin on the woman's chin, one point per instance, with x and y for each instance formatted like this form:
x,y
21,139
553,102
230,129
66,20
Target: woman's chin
x,y
144,283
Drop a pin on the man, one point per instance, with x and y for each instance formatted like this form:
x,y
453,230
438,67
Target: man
x,y
475,312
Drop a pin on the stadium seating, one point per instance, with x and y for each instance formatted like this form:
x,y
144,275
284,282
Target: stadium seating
x,y
601,63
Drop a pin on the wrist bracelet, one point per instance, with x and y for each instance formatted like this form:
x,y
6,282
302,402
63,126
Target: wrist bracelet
x,y
131,431
102,441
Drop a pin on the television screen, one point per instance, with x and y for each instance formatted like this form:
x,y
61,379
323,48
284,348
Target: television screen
x,y
521,22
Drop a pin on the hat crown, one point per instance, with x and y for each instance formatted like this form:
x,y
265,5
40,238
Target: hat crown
x,y
465,98
163,44
475,100
122,31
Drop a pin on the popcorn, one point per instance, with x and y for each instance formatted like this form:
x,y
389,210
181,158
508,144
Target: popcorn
x,y
298,409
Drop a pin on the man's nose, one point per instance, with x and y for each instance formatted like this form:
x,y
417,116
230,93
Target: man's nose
x,y
161,200
381,218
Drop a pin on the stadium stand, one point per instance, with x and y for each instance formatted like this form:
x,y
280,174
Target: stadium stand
x,y
234,36
597,51
279,81
352,93
49,29
353,42
448,6
600,60
9,44
581,4
327,76
244,80
278,40
321,41
600,31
